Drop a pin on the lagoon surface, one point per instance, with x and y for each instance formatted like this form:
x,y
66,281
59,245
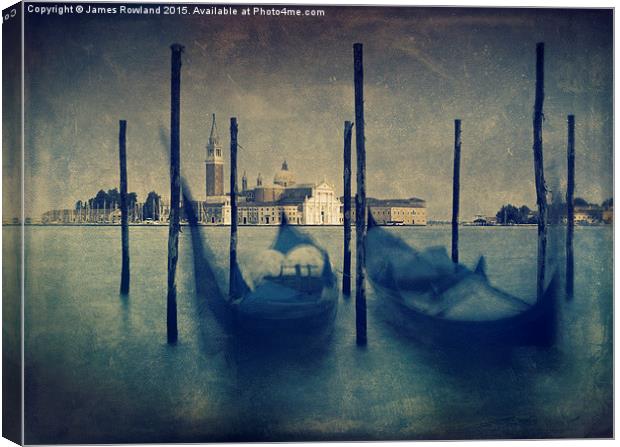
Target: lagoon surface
x,y
98,369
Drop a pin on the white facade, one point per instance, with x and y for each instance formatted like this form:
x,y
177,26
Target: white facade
x,y
323,207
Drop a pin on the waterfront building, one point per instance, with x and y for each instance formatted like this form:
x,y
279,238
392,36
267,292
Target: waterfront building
x,y
257,213
482,220
212,212
491,220
77,216
59,216
302,204
104,215
410,211
588,214
320,204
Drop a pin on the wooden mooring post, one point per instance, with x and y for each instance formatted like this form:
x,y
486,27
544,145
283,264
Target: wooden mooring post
x,y
570,208
175,190
456,185
346,270
232,290
122,155
541,188
360,198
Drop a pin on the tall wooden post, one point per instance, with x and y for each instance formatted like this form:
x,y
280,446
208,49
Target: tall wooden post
x,y
175,190
541,188
346,274
360,197
570,209
456,185
233,210
122,155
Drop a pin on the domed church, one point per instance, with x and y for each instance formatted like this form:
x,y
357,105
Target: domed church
x,y
305,204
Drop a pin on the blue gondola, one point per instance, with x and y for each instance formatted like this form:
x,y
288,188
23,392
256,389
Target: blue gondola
x,y
298,296
435,300
297,299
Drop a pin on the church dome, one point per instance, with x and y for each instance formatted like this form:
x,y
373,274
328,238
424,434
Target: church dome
x,y
284,177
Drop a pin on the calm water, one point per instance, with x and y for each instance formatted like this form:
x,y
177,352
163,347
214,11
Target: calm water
x,y
98,369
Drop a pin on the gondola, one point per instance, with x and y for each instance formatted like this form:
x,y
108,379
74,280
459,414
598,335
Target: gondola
x,y
294,295
429,297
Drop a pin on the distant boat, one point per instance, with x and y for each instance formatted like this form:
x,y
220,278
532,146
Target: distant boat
x,y
294,292
430,297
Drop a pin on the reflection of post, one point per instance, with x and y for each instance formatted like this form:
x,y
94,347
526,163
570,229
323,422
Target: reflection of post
x,y
175,190
455,191
346,273
233,209
360,197
570,210
124,218
541,188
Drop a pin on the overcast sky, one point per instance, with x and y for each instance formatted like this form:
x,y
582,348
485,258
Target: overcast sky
x,y
289,81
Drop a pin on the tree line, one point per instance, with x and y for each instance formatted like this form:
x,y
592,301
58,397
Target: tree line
x,y
511,214
111,199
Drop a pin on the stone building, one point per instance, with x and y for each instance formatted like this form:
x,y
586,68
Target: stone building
x,y
301,204
217,213
410,211
258,213
321,206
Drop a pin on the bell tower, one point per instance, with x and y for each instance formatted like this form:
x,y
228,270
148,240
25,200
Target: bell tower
x,y
214,163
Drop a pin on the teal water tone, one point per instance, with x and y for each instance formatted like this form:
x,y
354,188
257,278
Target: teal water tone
x,y
98,369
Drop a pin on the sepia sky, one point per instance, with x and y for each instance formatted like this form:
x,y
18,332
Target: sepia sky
x,y
289,81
